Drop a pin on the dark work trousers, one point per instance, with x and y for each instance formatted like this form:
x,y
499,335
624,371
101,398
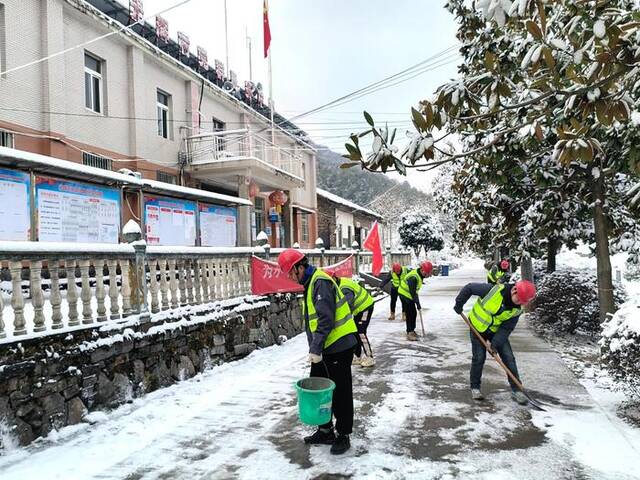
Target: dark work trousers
x,y
338,366
479,354
362,322
409,308
394,299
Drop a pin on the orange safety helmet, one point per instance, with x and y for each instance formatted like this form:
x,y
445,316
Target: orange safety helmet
x,y
397,268
288,258
426,267
504,264
526,291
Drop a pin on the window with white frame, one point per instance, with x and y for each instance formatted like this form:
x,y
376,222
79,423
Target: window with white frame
x,y
304,227
93,83
6,139
162,107
219,141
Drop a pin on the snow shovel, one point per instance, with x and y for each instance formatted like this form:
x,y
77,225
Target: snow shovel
x,y
421,322
495,356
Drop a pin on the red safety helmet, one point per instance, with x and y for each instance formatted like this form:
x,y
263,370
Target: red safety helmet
x,y
397,268
288,258
504,264
426,268
526,291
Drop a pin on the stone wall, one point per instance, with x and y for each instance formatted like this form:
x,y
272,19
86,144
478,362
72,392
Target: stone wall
x,y
49,382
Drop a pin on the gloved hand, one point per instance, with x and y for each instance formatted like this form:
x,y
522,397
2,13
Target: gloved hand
x,y
492,350
457,309
418,306
313,358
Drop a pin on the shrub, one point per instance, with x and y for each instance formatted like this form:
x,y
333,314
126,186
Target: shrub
x,y
620,346
567,301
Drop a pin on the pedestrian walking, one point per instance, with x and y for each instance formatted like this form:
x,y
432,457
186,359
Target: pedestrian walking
x,y
498,272
330,330
494,315
395,275
409,290
361,304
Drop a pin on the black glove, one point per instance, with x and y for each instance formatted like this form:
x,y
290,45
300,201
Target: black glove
x,y
457,309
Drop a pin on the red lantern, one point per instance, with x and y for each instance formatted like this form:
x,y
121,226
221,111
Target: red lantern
x,y
278,198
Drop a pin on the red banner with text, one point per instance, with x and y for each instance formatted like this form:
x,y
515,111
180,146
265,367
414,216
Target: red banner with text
x,y
267,277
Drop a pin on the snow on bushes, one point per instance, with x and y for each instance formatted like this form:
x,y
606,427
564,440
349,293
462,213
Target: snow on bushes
x,y
567,301
620,346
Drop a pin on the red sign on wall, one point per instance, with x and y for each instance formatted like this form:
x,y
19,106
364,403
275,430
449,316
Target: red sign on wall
x,y
136,10
162,29
183,43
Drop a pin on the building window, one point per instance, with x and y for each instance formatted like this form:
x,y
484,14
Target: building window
x,y
167,178
6,139
97,161
258,208
92,83
162,107
218,125
304,227
219,143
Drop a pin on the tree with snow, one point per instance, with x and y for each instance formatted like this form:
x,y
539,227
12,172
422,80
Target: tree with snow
x,y
421,231
540,80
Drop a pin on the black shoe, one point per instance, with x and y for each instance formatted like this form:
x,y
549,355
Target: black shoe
x,y
321,437
341,445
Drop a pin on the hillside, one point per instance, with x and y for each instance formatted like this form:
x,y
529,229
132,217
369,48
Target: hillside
x,y
360,186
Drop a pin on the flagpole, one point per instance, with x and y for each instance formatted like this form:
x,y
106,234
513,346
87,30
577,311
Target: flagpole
x,y
226,37
273,131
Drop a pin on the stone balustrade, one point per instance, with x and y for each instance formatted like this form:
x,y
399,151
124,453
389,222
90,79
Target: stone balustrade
x,y
47,287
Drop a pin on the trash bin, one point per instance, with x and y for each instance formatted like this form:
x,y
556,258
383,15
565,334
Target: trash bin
x,y
444,270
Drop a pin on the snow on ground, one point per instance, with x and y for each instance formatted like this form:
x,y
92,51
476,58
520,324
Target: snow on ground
x,y
414,418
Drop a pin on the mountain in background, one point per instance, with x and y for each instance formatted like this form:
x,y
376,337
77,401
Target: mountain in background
x,y
360,186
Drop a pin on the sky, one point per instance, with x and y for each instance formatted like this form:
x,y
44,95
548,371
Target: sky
x,y
324,49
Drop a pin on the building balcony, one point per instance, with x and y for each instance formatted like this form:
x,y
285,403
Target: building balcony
x,y
219,157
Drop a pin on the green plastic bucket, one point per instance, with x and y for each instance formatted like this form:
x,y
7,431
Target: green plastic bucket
x,y
314,400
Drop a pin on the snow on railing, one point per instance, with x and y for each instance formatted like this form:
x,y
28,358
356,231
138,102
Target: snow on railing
x,y
38,296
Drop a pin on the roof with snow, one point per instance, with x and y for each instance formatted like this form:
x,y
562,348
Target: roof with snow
x,y
42,164
344,202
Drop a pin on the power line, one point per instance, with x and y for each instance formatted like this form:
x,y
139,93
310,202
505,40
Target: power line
x,y
89,42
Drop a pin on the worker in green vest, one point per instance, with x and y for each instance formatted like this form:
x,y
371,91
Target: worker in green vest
x,y
396,274
408,291
494,315
331,336
361,304
498,272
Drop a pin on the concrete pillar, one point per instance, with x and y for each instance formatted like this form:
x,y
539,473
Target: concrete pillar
x,y
244,213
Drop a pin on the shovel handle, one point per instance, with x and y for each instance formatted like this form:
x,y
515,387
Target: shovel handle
x,y
421,322
493,354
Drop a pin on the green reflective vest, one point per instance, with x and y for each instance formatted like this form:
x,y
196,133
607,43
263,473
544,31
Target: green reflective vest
x,y
495,278
403,289
344,323
361,298
484,315
395,278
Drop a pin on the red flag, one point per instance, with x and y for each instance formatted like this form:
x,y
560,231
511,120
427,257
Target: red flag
x,y
341,269
267,277
372,243
267,30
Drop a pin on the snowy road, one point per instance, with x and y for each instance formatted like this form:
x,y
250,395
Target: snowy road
x,y
414,418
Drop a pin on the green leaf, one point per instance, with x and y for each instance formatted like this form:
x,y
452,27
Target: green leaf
x,y
349,164
368,118
418,120
354,152
393,135
490,60
366,132
400,166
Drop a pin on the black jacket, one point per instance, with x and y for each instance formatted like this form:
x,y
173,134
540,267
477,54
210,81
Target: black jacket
x,y
324,299
481,289
412,283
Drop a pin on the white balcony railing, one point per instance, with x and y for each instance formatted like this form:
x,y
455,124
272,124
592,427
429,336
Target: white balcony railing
x,y
240,144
